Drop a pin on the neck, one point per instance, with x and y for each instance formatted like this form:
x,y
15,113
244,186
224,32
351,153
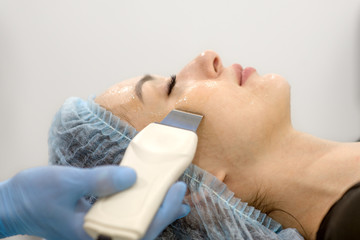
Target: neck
x,y
300,177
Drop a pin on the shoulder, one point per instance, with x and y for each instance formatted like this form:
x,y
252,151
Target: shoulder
x,y
343,219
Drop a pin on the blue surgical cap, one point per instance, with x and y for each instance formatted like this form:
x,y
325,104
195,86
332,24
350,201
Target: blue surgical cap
x,y
83,134
217,214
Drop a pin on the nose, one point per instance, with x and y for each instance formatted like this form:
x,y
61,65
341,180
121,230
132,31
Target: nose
x,y
205,66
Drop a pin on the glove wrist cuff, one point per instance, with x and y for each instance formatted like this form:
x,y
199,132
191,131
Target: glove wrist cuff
x,y
2,230
4,208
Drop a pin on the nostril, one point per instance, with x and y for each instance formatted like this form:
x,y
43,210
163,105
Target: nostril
x,y
216,64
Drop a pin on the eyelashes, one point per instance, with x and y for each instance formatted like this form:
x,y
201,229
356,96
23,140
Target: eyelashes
x,y
171,84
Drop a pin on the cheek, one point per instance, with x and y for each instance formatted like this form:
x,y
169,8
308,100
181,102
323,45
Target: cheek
x,y
207,97
223,106
196,100
234,115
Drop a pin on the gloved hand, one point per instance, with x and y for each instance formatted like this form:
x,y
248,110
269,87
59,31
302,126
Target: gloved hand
x,y
171,209
49,201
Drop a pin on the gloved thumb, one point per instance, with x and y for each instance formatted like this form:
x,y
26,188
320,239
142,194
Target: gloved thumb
x,y
107,180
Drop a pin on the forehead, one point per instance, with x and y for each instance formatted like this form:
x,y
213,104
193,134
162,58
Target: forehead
x,y
131,82
124,91
123,95
119,96
127,83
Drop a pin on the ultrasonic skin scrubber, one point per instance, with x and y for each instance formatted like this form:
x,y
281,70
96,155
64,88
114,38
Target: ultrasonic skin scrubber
x,y
159,153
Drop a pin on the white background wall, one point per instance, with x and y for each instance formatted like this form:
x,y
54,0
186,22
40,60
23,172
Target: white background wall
x,y
51,50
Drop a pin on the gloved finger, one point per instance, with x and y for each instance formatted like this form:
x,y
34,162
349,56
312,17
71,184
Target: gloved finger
x,y
172,204
107,180
79,227
82,206
171,209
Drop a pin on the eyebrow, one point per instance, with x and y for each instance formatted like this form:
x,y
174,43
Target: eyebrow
x,y
139,84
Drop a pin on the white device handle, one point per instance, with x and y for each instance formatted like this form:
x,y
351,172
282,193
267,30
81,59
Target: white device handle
x,y
159,154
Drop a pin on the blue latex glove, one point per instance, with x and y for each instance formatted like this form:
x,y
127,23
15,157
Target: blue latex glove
x,y
49,201
171,209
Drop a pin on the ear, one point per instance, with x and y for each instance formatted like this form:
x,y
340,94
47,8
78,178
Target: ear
x,y
220,174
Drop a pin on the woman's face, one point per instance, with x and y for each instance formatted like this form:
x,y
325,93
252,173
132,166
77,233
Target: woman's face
x,y
242,110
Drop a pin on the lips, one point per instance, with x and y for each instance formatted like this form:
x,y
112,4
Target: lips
x,y
246,74
238,71
242,74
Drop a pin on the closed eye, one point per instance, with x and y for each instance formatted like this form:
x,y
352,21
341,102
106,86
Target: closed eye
x,y
171,84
